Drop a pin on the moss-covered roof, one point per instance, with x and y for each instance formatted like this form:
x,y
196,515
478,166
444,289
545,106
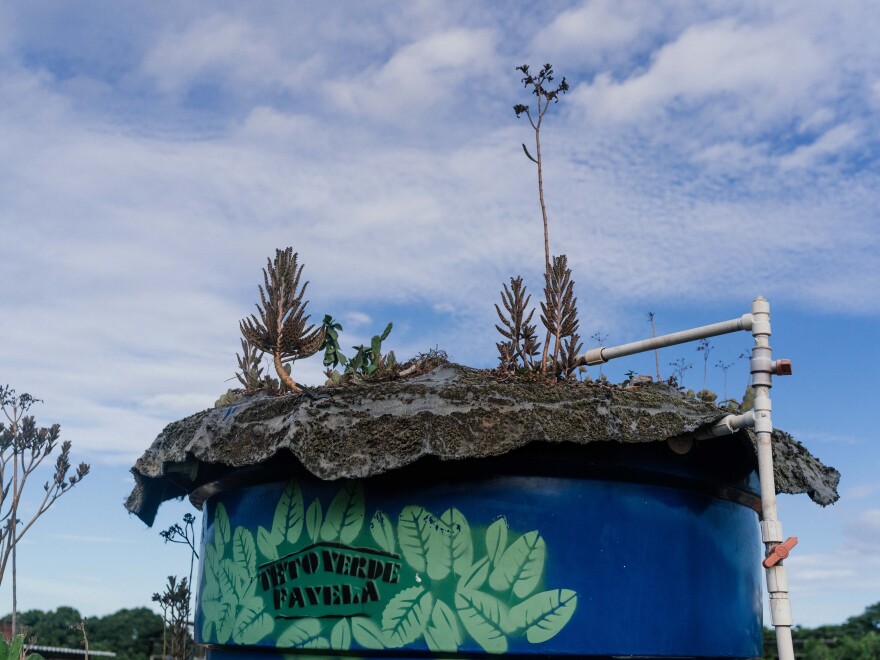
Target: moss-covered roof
x,y
451,412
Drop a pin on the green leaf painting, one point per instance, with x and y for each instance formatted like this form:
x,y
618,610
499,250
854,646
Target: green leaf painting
x,y
414,532
345,516
313,519
443,632
243,551
544,614
450,547
267,543
288,521
382,531
496,539
367,633
227,578
406,616
252,623
475,576
222,533
211,564
225,620
485,618
426,583
302,634
521,566
340,636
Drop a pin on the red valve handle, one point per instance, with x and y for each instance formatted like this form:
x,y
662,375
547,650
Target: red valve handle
x,y
780,552
783,367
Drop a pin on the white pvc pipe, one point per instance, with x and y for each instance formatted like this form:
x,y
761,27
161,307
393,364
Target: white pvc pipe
x,y
601,355
762,367
771,529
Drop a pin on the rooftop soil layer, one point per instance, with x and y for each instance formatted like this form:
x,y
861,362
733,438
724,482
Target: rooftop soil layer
x,y
451,413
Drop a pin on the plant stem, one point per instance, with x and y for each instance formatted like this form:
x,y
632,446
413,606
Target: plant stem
x,y
283,375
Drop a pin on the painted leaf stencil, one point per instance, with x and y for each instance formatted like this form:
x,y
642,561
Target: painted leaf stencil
x,y
406,616
475,576
313,519
267,543
382,531
413,533
521,565
222,532
243,550
450,546
496,539
442,632
287,523
252,623
544,614
367,633
302,634
340,636
485,618
345,516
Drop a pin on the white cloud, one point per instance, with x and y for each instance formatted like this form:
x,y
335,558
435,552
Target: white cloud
x,y
766,69
226,48
595,28
831,143
419,75
862,491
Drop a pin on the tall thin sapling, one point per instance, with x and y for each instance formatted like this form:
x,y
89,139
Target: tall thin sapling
x,y
540,85
26,446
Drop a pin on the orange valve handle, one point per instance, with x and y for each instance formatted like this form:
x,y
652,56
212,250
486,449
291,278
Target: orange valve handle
x,y
779,552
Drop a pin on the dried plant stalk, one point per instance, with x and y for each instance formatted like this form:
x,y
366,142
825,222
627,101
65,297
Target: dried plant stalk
x,y
559,310
568,356
522,339
251,374
281,329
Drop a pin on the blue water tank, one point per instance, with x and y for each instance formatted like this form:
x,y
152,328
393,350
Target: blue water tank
x,y
596,551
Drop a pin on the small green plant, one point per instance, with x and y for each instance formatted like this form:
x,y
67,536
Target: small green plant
x,y
333,356
281,329
16,649
367,361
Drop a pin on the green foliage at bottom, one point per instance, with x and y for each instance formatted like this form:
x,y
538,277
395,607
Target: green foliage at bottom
x,y
130,633
858,638
13,650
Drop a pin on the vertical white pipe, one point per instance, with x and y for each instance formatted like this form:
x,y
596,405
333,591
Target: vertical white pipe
x,y
771,529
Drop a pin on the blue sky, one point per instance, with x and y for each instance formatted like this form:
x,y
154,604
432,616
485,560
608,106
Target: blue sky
x,y
152,155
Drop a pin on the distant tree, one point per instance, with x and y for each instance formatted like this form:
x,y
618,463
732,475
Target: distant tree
x,y
857,638
52,628
130,633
